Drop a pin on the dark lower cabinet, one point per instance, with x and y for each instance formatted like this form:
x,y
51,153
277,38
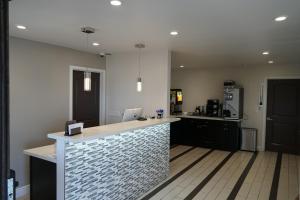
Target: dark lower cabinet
x,y
42,179
228,136
217,134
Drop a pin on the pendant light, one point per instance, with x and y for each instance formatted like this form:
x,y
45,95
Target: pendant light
x,y
87,81
87,85
139,85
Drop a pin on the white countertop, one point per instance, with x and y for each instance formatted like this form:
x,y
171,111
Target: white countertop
x,y
45,152
205,117
111,129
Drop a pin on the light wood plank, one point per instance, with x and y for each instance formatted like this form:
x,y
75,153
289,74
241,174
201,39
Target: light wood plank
x,y
283,186
194,173
230,177
260,176
178,150
218,182
257,185
265,190
199,175
181,163
260,173
293,188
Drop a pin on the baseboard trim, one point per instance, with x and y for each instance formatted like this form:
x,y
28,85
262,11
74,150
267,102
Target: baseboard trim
x,y
23,191
259,148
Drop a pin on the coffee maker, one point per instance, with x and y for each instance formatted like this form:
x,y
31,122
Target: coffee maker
x,y
233,101
176,101
212,107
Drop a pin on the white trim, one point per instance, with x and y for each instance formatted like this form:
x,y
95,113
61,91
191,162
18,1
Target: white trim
x,y
263,145
60,169
23,192
102,115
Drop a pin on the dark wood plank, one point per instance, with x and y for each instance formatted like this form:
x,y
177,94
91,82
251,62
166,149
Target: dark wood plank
x,y
275,182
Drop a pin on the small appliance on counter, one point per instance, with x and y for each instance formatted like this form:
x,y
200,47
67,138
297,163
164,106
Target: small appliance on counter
x,y
176,101
212,107
73,128
132,114
160,113
197,110
233,101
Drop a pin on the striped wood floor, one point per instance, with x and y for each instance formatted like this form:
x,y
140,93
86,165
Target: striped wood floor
x,y
199,173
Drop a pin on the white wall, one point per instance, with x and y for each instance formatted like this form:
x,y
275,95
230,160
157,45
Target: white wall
x,y
201,84
121,76
39,95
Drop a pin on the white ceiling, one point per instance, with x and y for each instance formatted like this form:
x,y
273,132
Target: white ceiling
x,y
212,33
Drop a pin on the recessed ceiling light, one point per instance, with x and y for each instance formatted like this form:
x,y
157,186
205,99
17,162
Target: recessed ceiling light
x,y
21,27
265,53
271,62
115,2
181,66
280,18
174,33
96,44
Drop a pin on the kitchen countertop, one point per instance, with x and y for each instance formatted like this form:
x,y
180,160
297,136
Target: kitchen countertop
x,y
45,153
111,129
208,118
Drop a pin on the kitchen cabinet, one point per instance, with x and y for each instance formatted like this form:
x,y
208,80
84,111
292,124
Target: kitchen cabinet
x,y
208,133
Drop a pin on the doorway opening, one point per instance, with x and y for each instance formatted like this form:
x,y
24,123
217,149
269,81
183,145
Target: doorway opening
x,y
87,106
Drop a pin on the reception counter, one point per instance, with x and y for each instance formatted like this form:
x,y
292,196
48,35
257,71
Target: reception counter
x,y
116,161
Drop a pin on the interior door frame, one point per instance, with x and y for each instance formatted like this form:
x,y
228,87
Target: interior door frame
x,y
102,87
4,99
265,100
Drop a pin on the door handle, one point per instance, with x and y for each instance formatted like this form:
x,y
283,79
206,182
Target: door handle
x,y
269,119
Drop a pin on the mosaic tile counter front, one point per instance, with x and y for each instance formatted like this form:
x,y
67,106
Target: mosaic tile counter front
x,y
118,167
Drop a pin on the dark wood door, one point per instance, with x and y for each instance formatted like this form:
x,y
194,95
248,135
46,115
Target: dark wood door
x,y
283,116
86,104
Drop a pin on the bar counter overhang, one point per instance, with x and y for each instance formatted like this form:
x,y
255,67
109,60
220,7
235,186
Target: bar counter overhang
x,y
116,161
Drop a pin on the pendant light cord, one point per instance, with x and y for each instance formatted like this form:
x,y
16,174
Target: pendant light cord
x,y
87,41
87,48
139,63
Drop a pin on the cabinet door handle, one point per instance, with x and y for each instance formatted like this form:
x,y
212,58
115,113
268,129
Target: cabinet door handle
x,y
269,119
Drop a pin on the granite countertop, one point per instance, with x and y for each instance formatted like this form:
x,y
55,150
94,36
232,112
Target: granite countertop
x,y
111,129
45,153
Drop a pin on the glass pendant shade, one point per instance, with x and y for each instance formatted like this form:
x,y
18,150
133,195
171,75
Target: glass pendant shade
x,y
87,81
139,84
139,79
